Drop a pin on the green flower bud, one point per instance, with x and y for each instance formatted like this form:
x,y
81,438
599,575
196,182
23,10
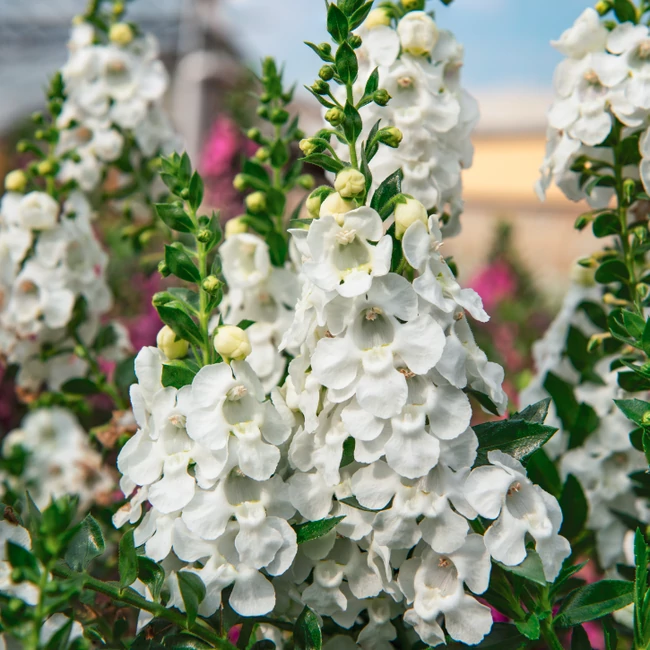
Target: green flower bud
x,y
603,6
37,118
204,235
121,34
265,98
262,154
45,167
163,269
315,200
381,97
350,183
326,73
256,202
15,605
211,284
306,181
335,116
582,221
390,136
169,344
325,48
629,188
413,5
161,298
299,135
185,193
279,116
320,87
254,134
263,112
355,41
17,575
240,183
16,181
308,146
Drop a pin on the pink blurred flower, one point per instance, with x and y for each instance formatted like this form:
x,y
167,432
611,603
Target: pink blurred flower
x,y
494,283
233,633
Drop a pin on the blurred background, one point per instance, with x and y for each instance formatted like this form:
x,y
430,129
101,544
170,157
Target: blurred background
x,y
515,250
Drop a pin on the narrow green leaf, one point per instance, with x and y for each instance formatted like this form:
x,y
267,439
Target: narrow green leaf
x,y
352,126
593,601
542,471
337,24
360,15
128,560
611,637
640,581
181,264
372,85
60,640
535,413
316,50
579,639
80,386
152,574
634,324
192,592
307,633
324,161
279,154
575,508
315,529
174,216
635,410
347,65
85,546
21,558
564,399
196,191
185,328
389,189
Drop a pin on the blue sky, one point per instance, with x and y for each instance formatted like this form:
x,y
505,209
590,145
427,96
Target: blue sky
x,y
506,41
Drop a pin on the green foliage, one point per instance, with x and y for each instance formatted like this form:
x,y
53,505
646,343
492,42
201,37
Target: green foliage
x,y
307,634
594,601
315,529
87,544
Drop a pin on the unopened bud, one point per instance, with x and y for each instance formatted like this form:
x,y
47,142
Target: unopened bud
x,y
161,298
611,299
603,6
413,5
629,189
377,18
583,221
262,154
235,226
306,181
185,193
163,269
381,97
320,87
315,200
418,33
240,183
645,418
37,117
121,34
355,41
265,98
597,340
643,290
17,575
584,274
45,167
336,206
308,146
408,213
16,181
326,73
263,112
232,343
204,235
335,116
390,136
211,284
254,134
350,183
279,116
256,202
170,345
325,48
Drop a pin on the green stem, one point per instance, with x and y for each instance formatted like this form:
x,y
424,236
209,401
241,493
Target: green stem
x,y
39,612
549,636
354,162
245,633
199,628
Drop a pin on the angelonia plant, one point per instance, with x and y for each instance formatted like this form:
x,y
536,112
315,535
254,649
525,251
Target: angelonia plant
x,y
302,468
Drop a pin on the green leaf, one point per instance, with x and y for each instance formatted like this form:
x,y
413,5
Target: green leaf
x,y
152,574
606,224
124,375
85,546
360,15
128,560
611,637
321,55
593,601
196,191
20,558
625,11
348,7
485,402
315,529
575,508
265,644
181,264
192,592
542,471
530,569
634,324
185,328
579,639
535,413
279,154
352,126
306,633
278,248
276,201
635,410
185,168
178,373
337,24
645,338
61,638
564,399
530,628
245,324
174,216
586,422
640,582
633,382
372,85
80,386
595,313
324,161
516,438
612,271
347,65
389,189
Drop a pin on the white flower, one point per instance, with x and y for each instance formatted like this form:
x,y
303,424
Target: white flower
x,y
418,33
232,343
246,260
38,211
501,491
588,34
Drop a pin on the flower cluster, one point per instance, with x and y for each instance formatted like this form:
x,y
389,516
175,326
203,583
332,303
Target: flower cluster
x,y
600,86
205,459
419,68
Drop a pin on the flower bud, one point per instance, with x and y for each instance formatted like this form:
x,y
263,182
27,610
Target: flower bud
x,y
355,41
161,298
326,73
350,183
629,188
265,98
232,343
381,97
418,33
335,116
211,284
254,134
279,116
16,181
315,200
185,193
306,181
121,34
45,167
204,235
390,136
236,226
320,87
163,269
583,275
645,418
408,213
583,221
377,18
240,183
262,154
169,344
413,5
308,146
256,202
603,6
336,206
263,112
325,48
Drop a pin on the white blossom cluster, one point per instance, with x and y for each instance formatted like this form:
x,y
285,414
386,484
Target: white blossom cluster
x,y
114,89
603,463
420,67
262,293
49,259
60,460
603,78
383,438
